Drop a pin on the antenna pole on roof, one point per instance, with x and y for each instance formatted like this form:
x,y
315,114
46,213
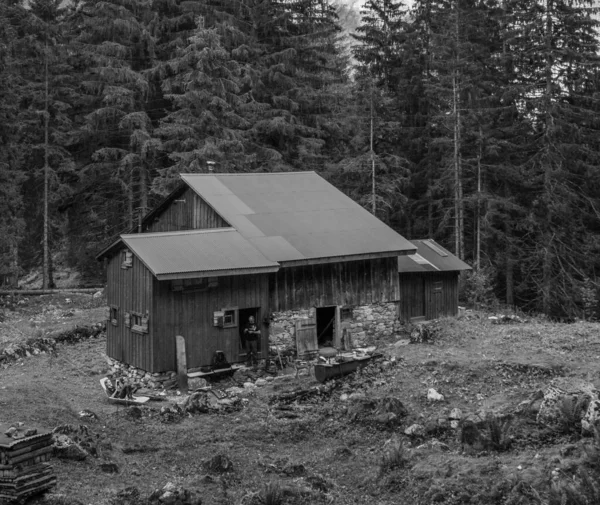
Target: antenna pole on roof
x,y
141,211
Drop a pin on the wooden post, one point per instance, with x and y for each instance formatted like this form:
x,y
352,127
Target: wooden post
x,y
338,328
182,377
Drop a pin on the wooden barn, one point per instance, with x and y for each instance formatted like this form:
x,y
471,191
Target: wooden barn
x,y
223,247
429,282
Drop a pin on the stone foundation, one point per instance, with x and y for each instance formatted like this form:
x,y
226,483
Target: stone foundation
x,y
163,380
368,322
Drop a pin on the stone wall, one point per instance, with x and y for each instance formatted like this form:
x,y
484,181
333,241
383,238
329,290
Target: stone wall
x,y
372,321
283,328
368,323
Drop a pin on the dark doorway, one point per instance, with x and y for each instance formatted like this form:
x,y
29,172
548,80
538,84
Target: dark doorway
x,y
244,315
325,326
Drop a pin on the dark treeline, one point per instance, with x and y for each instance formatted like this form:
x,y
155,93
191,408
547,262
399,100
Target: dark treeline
x,y
472,122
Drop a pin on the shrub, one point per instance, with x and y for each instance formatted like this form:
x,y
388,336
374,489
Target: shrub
x,y
572,409
478,289
500,433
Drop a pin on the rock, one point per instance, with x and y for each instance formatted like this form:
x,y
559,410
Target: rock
x,y
11,432
344,397
357,397
434,396
591,418
197,383
454,417
65,448
234,391
567,401
171,494
249,385
260,382
97,294
455,414
415,430
88,415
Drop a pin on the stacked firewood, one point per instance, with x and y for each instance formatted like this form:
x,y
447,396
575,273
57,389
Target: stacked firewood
x,y
24,470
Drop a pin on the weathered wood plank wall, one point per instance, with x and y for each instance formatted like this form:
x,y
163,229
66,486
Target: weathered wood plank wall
x,y
421,297
193,214
190,314
130,290
360,282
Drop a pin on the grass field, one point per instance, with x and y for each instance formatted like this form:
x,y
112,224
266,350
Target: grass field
x,y
317,450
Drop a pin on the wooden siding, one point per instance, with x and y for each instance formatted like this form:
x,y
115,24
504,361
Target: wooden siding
x,y
346,283
193,214
130,290
190,314
419,298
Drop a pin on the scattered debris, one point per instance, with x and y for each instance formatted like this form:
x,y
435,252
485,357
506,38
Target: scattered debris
x,y
209,400
506,319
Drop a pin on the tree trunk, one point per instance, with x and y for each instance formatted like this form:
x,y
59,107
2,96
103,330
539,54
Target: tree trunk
x,y
458,189
548,236
46,250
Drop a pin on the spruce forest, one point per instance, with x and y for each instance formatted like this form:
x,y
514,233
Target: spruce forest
x,y
473,122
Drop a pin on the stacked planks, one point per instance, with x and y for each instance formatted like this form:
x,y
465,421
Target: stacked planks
x,y
24,470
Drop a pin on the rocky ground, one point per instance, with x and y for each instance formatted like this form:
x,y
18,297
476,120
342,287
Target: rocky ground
x,y
377,437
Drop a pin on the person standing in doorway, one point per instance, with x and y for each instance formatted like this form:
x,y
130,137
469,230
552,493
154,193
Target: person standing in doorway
x,y
252,337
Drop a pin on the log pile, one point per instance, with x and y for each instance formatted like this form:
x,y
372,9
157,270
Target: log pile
x,y
24,470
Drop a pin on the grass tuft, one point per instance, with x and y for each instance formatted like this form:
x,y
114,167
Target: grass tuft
x,y
394,457
272,494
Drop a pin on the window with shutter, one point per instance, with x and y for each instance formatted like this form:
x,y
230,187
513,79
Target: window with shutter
x,y
127,259
139,322
114,315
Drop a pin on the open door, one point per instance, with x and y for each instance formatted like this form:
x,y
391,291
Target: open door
x,y
306,338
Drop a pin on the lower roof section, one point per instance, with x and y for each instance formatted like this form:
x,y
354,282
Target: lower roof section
x,y
198,253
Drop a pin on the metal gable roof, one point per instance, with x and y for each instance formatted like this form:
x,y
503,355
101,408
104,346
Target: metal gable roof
x,y
197,253
296,216
430,256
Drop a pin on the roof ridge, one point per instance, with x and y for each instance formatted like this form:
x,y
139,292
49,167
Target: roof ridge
x,y
179,232
251,173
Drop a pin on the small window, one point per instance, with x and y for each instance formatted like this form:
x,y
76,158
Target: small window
x,y
139,322
114,315
230,317
437,286
127,259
